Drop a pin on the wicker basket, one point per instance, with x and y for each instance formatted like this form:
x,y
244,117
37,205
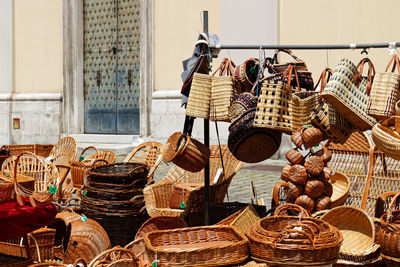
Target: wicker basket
x,y
303,106
385,91
389,232
240,104
358,234
37,149
191,155
294,240
341,187
198,104
118,173
347,91
387,139
244,76
138,248
250,143
197,246
6,190
242,219
160,223
115,257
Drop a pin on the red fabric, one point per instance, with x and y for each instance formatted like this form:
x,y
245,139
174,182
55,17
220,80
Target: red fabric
x,y
16,220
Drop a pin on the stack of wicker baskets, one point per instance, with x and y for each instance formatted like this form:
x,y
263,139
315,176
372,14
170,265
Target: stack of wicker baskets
x,y
113,196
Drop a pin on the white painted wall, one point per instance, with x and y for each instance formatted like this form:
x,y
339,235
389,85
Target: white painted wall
x,y
6,46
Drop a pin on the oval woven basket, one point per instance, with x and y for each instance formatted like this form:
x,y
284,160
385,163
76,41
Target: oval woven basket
x,y
358,231
294,240
118,173
160,223
191,155
249,143
387,139
341,187
389,230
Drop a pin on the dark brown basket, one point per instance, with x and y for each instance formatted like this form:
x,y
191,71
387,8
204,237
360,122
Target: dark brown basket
x,y
249,143
191,155
118,173
111,194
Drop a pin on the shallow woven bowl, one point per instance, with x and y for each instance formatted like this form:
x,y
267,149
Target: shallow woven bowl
x,y
341,188
357,227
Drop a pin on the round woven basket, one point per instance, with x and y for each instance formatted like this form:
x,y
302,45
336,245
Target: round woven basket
x,y
341,187
191,155
240,104
249,143
244,76
358,231
387,139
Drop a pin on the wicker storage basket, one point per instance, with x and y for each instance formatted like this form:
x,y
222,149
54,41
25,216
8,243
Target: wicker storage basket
x,y
249,143
294,240
303,106
341,187
199,98
37,149
189,154
222,91
358,231
242,219
389,232
386,139
246,75
160,223
347,91
385,91
240,104
118,173
197,246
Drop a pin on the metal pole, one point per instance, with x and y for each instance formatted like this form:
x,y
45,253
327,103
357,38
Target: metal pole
x,y
206,142
312,47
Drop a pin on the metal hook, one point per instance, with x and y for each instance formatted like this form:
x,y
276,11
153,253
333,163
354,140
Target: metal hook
x,y
365,51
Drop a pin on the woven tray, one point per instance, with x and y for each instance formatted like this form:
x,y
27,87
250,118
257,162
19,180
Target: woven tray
x,y
341,187
197,246
358,231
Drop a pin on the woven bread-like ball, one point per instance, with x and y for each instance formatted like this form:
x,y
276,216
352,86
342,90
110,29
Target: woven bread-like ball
x,y
294,157
306,202
292,190
322,203
298,174
296,138
328,189
289,200
325,174
314,188
312,137
325,154
285,175
314,165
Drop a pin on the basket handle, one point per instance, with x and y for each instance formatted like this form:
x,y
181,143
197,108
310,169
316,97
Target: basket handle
x,y
86,149
370,74
288,72
106,253
99,160
137,197
323,78
287,51
396,63
221,68
384,126
284,234
391,206
80,260
282,210
137,168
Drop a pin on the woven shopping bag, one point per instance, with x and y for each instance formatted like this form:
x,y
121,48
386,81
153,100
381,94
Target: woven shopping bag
x,y
326,118
222,91
198,104
347,91
274,107
385,91
303,106
305,77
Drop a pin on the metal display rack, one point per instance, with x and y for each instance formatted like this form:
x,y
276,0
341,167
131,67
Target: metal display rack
x,y
257,47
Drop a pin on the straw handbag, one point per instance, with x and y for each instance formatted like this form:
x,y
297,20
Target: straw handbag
x,y
347,91
385,91
274,107
386,138
326,118
305,77
198,104
222,91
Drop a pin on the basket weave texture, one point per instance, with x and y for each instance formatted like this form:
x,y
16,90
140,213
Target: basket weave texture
x,y
347,92
240,104
386,139
200,95
197,246
242,219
